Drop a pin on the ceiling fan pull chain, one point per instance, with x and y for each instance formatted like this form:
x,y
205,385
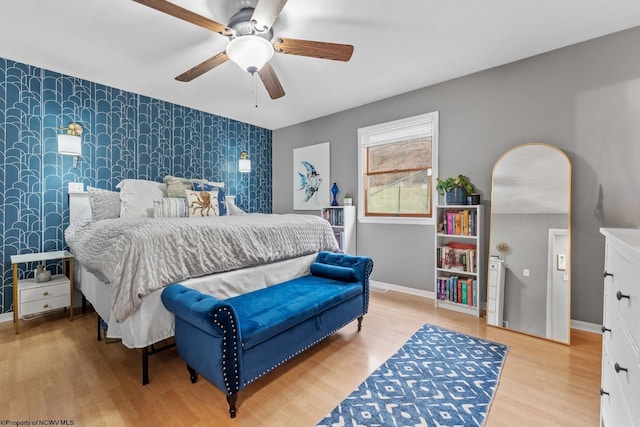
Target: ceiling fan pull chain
x,y
254,80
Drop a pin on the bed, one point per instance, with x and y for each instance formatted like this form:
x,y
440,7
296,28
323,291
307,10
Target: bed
x,y
124,257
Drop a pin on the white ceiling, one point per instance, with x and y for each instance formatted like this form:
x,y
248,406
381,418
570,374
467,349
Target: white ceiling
x,y
400,45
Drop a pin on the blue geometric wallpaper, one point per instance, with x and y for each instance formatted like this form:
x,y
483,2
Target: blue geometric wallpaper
x,y
125,136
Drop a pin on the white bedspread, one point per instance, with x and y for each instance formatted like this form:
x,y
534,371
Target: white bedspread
x,y
137,256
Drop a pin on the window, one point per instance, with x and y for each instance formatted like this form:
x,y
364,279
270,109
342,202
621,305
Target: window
x,y
396,165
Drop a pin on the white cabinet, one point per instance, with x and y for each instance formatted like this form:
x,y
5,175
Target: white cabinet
x,y
459,258
620,386
495,294
31,297
343,222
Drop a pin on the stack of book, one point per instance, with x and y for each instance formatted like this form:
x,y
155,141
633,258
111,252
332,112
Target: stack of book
x,y
461,223
462,290
457,256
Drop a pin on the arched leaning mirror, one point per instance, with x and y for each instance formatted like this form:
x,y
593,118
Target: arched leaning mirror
x,y
529,277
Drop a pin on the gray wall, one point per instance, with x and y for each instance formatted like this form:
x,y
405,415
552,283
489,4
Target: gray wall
x,y
584,99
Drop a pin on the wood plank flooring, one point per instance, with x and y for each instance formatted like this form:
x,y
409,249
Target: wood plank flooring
x,y
56,370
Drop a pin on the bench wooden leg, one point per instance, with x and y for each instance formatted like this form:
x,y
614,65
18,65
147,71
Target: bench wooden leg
x,y
193,375
231,399
360,323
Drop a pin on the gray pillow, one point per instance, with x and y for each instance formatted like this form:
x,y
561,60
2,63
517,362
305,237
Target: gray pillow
x,y
176,186
105,204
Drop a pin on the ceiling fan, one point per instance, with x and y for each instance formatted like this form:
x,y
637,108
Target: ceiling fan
x,y
252,44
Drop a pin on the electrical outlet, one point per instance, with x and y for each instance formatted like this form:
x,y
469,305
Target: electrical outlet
x,y
526,272
76,187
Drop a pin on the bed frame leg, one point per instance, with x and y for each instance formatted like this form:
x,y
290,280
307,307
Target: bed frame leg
x,y
231,399
98,328
360,323
145,366
193,375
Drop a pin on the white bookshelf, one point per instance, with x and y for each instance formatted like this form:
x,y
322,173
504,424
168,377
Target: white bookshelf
x,y
465,267
343,222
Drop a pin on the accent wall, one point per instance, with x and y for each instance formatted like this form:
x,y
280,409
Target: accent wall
x,y
126,135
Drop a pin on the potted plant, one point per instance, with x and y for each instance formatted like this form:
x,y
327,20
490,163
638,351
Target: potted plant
x,y
348,201
455,190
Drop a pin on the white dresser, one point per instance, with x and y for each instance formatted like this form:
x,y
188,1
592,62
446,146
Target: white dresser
x,y
620,387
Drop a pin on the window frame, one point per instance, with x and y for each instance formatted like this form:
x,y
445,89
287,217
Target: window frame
x,y
363,135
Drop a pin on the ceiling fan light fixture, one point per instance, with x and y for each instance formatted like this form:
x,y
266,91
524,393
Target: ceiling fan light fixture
x,y
250,52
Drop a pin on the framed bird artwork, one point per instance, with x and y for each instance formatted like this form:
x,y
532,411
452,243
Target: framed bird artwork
x,y
311,177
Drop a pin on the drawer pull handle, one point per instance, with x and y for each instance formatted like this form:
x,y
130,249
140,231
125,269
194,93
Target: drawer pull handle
x,y
602,392
619,368
605,329
620,295
45,293
45,306
606,273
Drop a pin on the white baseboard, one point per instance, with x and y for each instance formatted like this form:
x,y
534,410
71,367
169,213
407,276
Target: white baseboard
x,y
382,286
586,326
6,317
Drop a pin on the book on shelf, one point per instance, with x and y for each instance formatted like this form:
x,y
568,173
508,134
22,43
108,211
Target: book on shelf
x,y
459,222
461,290
457,256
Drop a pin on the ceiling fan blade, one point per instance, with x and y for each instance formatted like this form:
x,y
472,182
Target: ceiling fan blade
x,y
266,13
271,82
202,68
335,51
186,15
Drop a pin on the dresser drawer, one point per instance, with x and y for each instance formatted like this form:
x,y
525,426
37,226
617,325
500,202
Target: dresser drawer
x,y
617,348
613,409
48,290
624,280
44,305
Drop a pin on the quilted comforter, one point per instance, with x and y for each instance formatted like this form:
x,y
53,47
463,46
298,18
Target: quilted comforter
x,y
137,256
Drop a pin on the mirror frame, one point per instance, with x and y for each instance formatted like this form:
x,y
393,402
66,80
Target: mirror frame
x,y
569,230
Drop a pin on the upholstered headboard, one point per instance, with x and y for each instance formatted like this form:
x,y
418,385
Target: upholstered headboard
x,y
78,202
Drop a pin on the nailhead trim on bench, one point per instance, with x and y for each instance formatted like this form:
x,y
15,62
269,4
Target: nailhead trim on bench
x,y
226,370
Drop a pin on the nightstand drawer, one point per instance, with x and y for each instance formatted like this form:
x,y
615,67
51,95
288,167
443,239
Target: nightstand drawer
x,y
44,305
32,291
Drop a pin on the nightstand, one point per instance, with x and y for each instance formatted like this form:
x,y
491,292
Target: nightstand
x,y
31,297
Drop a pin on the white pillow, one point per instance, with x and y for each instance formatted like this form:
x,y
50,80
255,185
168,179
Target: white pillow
x,y
137,197
216,184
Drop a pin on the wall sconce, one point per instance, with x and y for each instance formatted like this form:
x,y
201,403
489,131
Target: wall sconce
x,y
244,164
70,143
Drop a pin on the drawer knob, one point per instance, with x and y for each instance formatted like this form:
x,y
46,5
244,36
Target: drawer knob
x,y
619,368
45,293
605,329
45,306
620,295
605,274
602,392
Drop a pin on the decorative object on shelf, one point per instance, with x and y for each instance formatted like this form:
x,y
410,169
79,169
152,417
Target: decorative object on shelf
x,y
473,199
455,190
502,247
335,190
41,274
347,201
311,172
244,164
70,143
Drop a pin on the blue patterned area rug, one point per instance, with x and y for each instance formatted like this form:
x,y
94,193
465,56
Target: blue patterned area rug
x,y
438,378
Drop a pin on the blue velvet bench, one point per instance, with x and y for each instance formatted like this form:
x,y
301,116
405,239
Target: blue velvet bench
x,y
233,342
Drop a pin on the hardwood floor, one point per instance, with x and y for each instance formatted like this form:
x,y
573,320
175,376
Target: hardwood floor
x,y
56,370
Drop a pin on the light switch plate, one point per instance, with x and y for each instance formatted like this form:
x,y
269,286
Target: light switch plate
x,y
76,187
